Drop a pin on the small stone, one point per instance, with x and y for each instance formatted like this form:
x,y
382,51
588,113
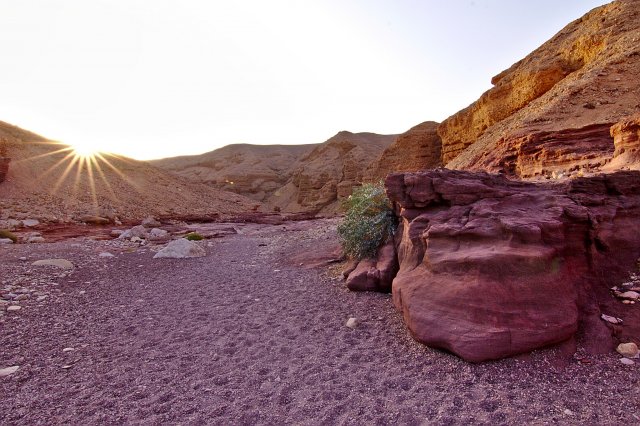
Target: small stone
x,y
352,322
628,350
40,298
106,254
82,292
8,370
150,222
610,319
627,361
116,232
66,367
68,349
22,258
35,240
632,295
29,223
5,241
23,296
58,263
13,308
136,240
181,248
568,412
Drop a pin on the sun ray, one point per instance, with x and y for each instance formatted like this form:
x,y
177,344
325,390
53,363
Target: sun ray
x,y
92,184
64,174
47,154
115,169
55,166
104,179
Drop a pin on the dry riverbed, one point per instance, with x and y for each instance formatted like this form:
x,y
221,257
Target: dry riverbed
x,y
250,335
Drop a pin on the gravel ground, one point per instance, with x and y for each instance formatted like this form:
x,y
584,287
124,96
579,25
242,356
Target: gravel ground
x,y
242,336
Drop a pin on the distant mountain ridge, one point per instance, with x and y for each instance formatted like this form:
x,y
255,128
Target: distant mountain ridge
x,y
292,178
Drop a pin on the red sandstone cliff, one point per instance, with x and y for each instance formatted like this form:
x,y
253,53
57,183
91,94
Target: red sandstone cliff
x,y
550,113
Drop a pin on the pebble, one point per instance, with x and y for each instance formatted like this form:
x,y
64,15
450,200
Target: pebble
x,y
568,412
106,254
610,319
58,263
82,292
66,367
352,322
68,349
628,350
627,361
13,308
9,370
40,298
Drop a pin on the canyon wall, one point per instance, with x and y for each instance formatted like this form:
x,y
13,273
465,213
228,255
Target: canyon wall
x,y
490,267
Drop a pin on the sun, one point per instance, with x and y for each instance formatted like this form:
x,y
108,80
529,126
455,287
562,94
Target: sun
x,y
85,149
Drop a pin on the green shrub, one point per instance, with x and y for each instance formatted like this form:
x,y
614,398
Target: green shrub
x,y
194,236
8,234
368,222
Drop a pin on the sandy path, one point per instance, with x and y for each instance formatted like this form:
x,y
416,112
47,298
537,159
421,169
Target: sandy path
x,y
244,337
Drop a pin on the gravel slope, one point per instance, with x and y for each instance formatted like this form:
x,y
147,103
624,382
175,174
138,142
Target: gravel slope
x,y
241,336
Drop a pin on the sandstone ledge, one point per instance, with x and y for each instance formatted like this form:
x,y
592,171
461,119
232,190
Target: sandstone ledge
x,y
490,268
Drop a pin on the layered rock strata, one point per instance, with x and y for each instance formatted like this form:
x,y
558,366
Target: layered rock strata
x,y
419,148
490,267
588,74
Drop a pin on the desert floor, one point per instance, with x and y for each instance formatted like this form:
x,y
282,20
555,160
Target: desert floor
x,y
248,335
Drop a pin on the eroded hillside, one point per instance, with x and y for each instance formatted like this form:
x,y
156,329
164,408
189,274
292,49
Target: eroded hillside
x,y
551,112
46,181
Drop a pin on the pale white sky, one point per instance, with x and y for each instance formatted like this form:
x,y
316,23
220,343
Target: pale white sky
x,y
157,78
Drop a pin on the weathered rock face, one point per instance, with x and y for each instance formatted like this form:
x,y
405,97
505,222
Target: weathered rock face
x,y
417,149
550,153
626,138
329,172
4,168
490,267
581,81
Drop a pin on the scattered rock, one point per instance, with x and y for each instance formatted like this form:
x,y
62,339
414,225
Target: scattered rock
x,y
94,220
631,295
137,231
568,412
68,349
41,298
35,240
5,241
610,319
628,350
627,361
352,322
157,234
58,263
151,222
116,232
106,254
179,249
13,308
30,223
136,240
8,370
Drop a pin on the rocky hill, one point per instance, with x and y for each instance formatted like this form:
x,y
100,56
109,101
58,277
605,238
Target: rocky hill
x,y
252,170
551,113
418,148
45,181
291,178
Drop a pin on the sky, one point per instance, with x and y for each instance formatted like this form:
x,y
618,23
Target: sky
x,y
157,78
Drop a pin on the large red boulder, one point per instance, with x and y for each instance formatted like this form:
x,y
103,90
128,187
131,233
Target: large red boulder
x,y
490,267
